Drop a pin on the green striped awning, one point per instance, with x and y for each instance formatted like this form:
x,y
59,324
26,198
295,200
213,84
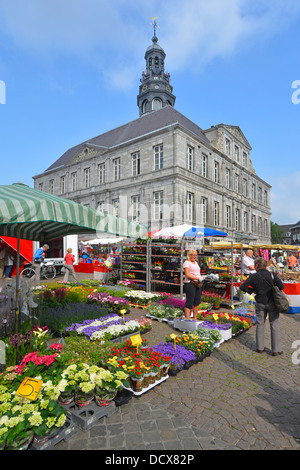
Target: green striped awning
x,y
42,216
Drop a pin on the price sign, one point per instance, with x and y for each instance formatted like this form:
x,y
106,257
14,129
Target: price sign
x,y
29,388
136,340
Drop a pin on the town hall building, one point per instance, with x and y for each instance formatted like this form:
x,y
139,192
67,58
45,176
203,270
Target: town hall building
x,y
162,169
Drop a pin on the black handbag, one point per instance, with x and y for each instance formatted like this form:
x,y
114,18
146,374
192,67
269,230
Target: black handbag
x,y
281,301
197,283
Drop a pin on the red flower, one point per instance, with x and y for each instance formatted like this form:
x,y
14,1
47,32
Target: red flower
x,y
56,347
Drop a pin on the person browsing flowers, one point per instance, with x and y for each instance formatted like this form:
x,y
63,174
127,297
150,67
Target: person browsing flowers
x,y
192,285
69,259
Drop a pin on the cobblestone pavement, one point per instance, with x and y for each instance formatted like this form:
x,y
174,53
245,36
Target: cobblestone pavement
x,y
234,399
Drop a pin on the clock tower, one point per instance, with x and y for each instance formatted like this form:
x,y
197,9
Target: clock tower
x,y
155,90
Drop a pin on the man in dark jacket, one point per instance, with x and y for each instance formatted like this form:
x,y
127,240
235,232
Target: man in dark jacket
x,y
260,283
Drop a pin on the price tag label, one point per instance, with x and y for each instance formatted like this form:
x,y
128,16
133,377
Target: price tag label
x,y
136,340
29,388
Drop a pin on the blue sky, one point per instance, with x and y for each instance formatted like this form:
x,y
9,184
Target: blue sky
x,y
70,70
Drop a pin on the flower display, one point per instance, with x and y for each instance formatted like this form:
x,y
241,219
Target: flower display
x,y
140,297
105,328
179,354
115,304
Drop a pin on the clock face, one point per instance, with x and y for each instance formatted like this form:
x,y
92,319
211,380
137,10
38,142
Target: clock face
x,y
169,88
144,88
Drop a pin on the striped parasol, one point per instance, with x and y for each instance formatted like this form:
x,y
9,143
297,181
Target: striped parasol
x,y
36,215
31,214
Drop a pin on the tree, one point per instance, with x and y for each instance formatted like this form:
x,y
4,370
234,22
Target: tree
x,y
277,234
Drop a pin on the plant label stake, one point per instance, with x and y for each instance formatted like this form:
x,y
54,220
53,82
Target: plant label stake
x,y
29,388
123,313
136,340
173,336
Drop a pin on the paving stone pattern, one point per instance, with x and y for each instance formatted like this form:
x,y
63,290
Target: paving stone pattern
x,y
234,399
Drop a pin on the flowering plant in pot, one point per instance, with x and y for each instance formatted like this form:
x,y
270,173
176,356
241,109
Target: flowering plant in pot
x,y
22,420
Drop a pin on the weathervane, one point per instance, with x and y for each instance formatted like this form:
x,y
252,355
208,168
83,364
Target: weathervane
x,y
154,24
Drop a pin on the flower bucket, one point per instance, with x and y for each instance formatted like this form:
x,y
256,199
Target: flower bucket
x,y
137,383
66,398
104,400
21,443
84,399
165,368
39,440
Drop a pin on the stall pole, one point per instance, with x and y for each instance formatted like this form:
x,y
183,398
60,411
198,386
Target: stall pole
x,y
231,289
148,266
181,269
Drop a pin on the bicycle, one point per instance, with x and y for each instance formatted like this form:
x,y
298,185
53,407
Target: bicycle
x,y
48,271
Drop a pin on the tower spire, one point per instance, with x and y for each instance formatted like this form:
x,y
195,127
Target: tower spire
x,y
154,25
155,90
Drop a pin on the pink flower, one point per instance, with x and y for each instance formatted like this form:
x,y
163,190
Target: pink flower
x,y
56,347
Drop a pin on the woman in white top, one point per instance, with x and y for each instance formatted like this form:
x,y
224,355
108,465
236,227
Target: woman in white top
x,y
192,291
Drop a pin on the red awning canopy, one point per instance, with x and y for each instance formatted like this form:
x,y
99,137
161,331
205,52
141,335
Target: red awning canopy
x,y
26,247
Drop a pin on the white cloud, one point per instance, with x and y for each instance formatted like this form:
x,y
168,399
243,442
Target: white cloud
x,y
285,198
192,32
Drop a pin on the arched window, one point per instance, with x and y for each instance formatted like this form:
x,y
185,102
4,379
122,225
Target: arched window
x,y
156,104
156,60
144,106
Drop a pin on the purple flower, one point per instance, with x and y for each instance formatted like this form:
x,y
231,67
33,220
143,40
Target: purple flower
x,y
179,356
216,326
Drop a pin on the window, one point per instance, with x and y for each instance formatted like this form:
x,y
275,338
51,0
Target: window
x,y
245,222
237,153
190,158
236,183
156,104
116,207
86,176
259,226
158,203
41,186
227,146
203,205
265,198
51,187
228,217
158,157
216,213
100,207
135,207
189,206
253,223
227,178
217,172
265,228
245,187
73,181
144,106
253,191
237,219
259,194
245,160
62,184
101,173
136,168
117,169
203,169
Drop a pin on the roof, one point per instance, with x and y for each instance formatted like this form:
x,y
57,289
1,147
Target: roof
x,y
145,124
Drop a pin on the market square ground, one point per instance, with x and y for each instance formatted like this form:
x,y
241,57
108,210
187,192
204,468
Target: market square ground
x,y
234,399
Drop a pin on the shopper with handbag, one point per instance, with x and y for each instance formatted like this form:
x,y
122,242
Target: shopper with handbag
x,y
261,283
192,285
69,260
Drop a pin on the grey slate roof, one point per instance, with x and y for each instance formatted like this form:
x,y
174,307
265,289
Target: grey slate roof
x,y
146,124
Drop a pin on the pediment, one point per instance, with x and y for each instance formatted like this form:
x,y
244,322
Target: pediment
x,y
238,134
86,152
